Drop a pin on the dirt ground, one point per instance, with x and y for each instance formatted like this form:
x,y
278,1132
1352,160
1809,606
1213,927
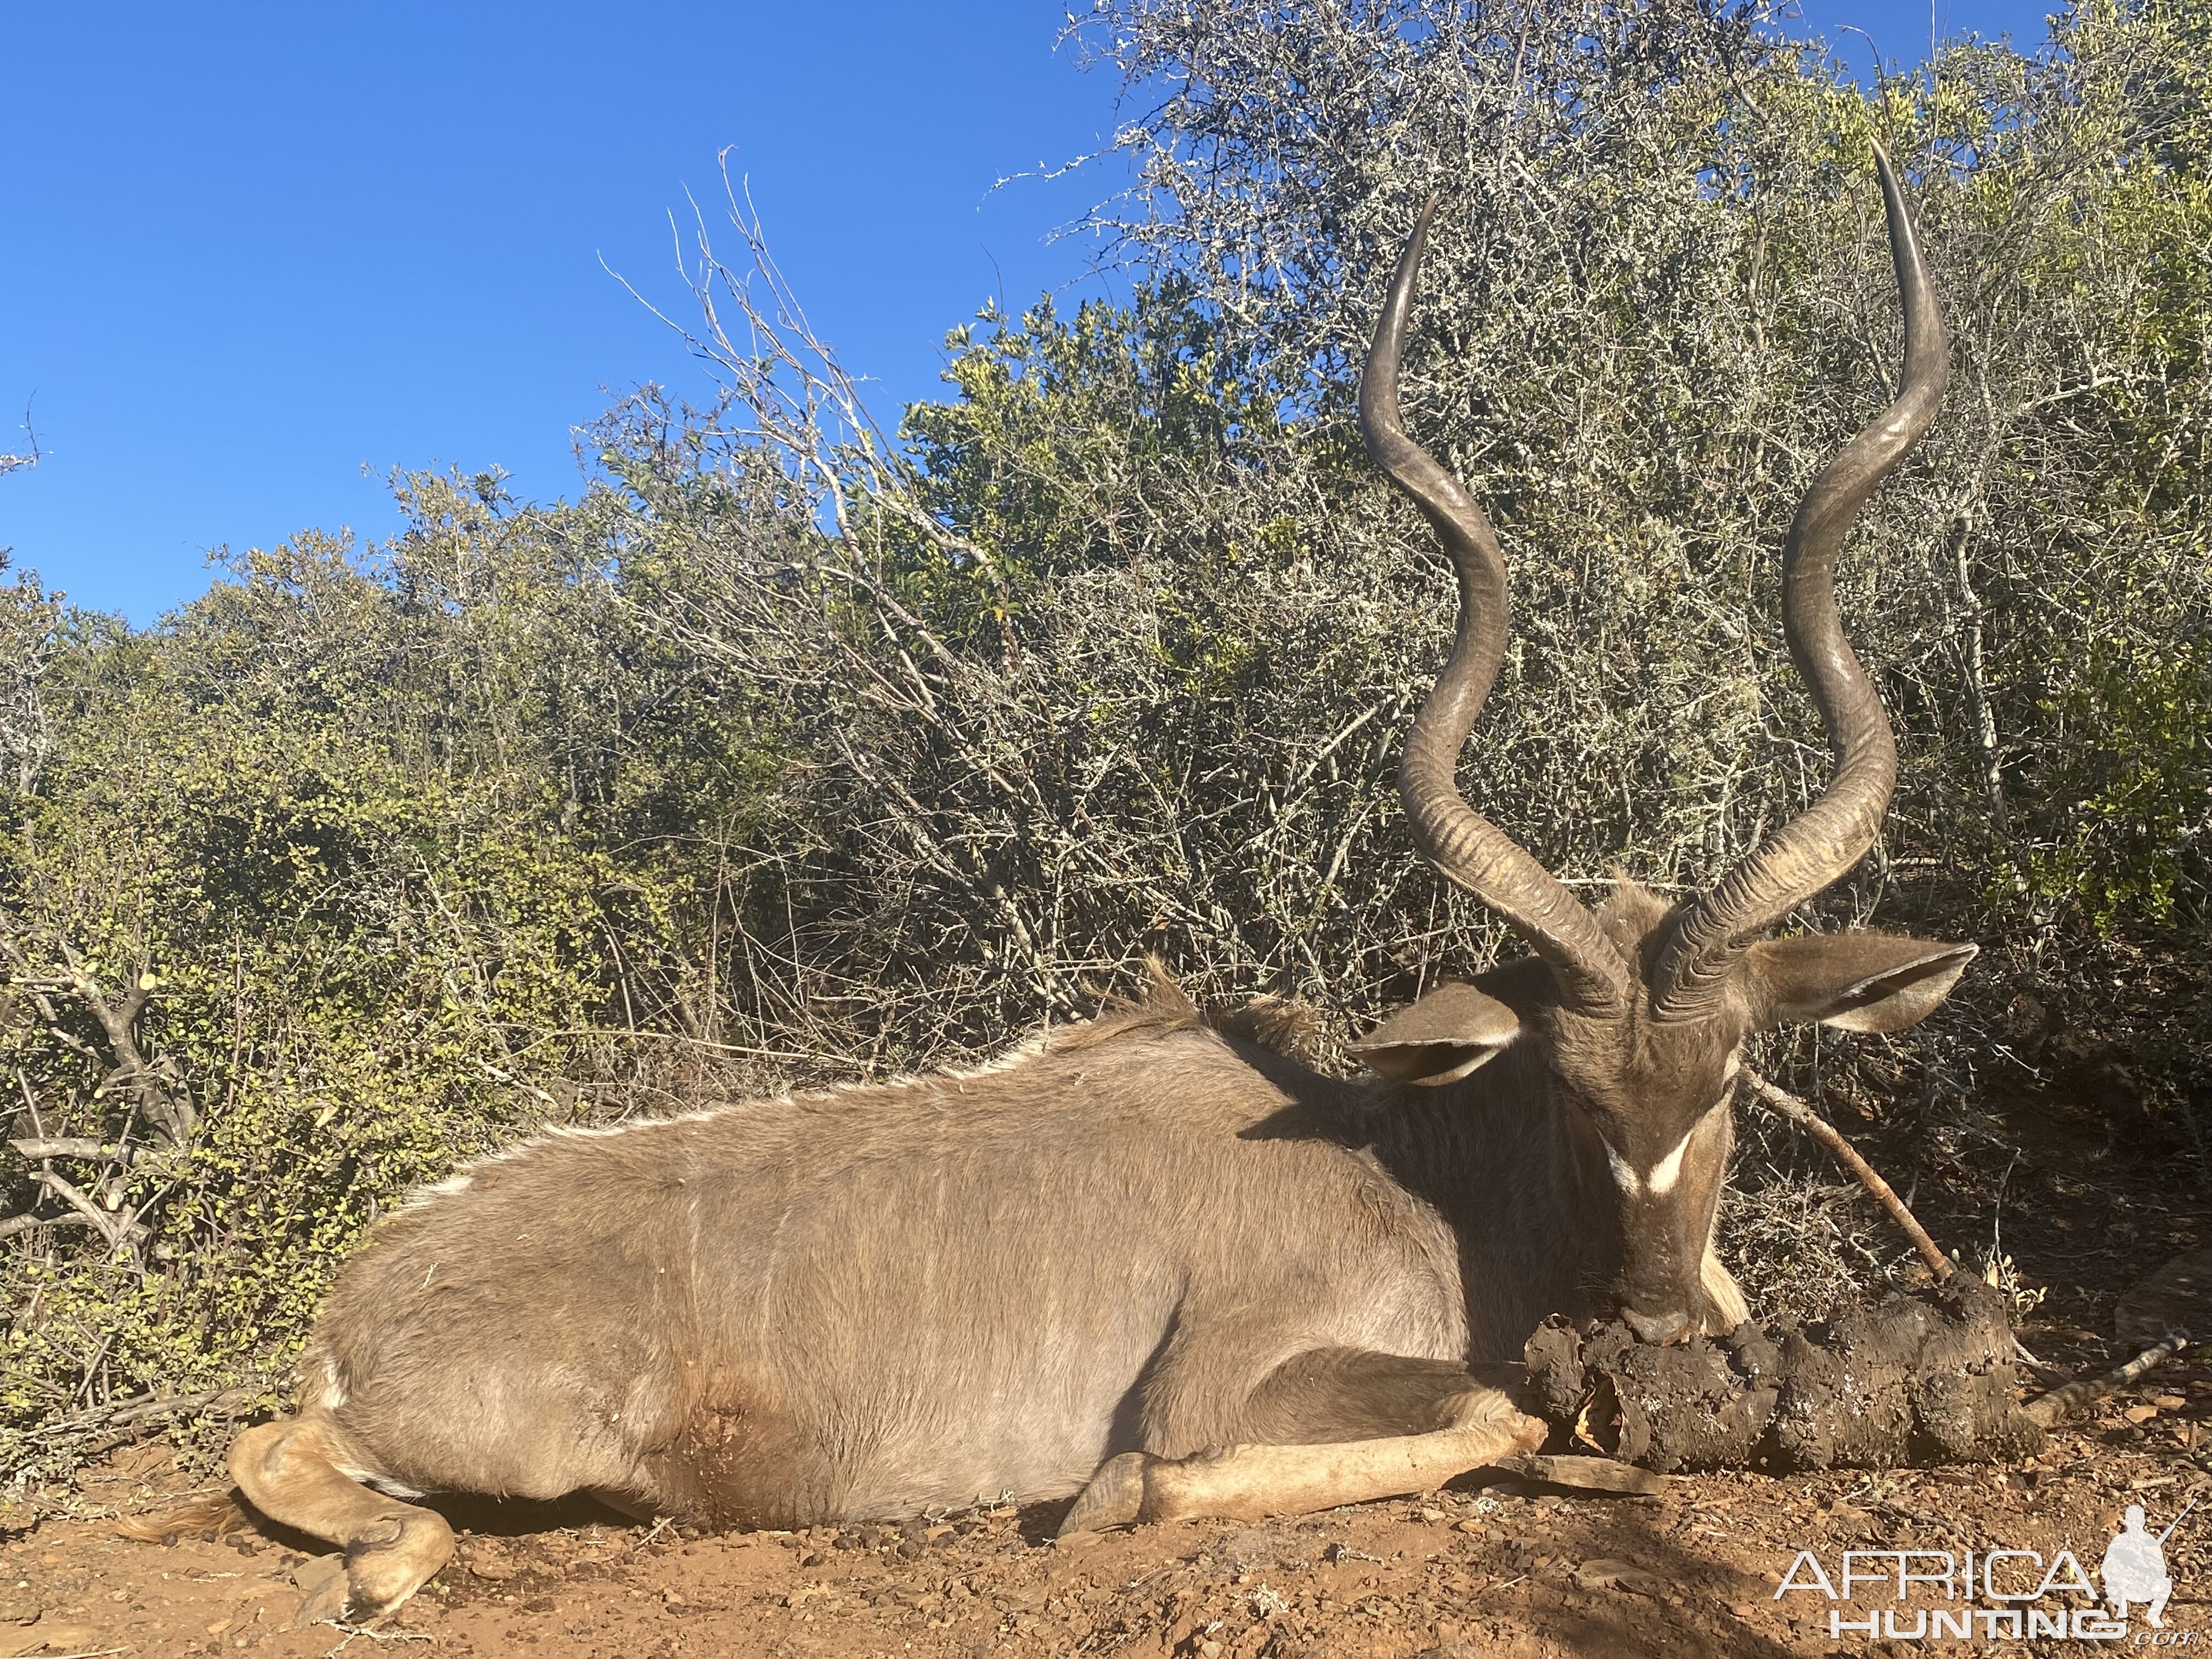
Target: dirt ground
x,y
1491,1570
1496,1570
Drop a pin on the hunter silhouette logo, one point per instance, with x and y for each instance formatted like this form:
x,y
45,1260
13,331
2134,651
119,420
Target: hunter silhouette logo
x,y
2134,1567
1997,1594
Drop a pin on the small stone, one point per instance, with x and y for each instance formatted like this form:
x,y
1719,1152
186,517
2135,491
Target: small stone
x,y
487,1563
1432,1515
1211,1649
1607,1574
1469,1525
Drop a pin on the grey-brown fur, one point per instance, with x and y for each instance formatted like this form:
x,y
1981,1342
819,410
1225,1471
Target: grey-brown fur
x,y
1080,1271
1148,1236
884,1298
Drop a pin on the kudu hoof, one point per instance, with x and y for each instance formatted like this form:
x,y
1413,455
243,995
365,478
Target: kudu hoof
x,y
381,1567
323,1584
1114,1497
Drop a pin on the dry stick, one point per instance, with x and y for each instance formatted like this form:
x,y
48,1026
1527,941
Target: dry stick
x,y
1788,1105
78,1147
2049,1409
10,1226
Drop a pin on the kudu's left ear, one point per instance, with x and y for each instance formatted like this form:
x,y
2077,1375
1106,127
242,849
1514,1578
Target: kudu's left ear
x,y
1855,981
1441,1038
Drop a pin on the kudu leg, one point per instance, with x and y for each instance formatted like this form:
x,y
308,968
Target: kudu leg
x,y
293,1472
1480,1423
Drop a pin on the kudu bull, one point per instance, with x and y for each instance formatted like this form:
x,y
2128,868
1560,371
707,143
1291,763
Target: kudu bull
x,y
1146,1261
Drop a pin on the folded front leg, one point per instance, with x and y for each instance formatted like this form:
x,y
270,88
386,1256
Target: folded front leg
x,y
1475,1422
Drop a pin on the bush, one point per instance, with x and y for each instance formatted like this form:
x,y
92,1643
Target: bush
x,y
796,748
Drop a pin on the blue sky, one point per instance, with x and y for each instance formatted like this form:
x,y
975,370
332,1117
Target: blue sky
x,y
252,257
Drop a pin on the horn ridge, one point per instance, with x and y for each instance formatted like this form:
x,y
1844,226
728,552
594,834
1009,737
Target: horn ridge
x,y
1820,845
1467,847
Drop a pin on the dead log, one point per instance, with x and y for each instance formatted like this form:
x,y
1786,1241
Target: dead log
x,y
1915,1380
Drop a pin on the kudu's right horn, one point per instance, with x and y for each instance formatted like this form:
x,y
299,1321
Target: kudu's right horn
x,y
1820,846
1467,847
1808,853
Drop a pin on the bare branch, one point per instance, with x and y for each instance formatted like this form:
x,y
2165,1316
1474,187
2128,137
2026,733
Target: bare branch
x,y
1788,1106
2061,1403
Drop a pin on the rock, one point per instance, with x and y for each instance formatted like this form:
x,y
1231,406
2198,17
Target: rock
x,y
1609,1574
2176,1300
47,1635
489,1561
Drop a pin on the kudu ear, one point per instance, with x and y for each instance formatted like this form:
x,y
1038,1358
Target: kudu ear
x,y
1441,1038
1855,981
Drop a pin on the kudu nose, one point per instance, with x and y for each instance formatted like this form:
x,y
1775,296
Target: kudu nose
x,y
1656,1327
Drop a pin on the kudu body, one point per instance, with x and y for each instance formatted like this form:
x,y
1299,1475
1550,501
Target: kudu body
x,y
1150,1261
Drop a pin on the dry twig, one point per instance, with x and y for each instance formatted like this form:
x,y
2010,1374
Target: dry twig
x,y
1781,1101
2050,1408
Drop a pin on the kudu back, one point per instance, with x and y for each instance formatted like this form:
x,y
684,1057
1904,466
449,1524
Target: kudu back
x,y
1149,1261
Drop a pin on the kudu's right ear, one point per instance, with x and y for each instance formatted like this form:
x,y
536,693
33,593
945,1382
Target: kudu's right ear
x,y
1441,1038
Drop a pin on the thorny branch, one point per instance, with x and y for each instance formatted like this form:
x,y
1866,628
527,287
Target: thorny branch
x,y
1788,1105
149,1085
12,461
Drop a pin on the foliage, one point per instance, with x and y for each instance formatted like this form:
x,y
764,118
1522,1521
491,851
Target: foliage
x,y
794,747
387,854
